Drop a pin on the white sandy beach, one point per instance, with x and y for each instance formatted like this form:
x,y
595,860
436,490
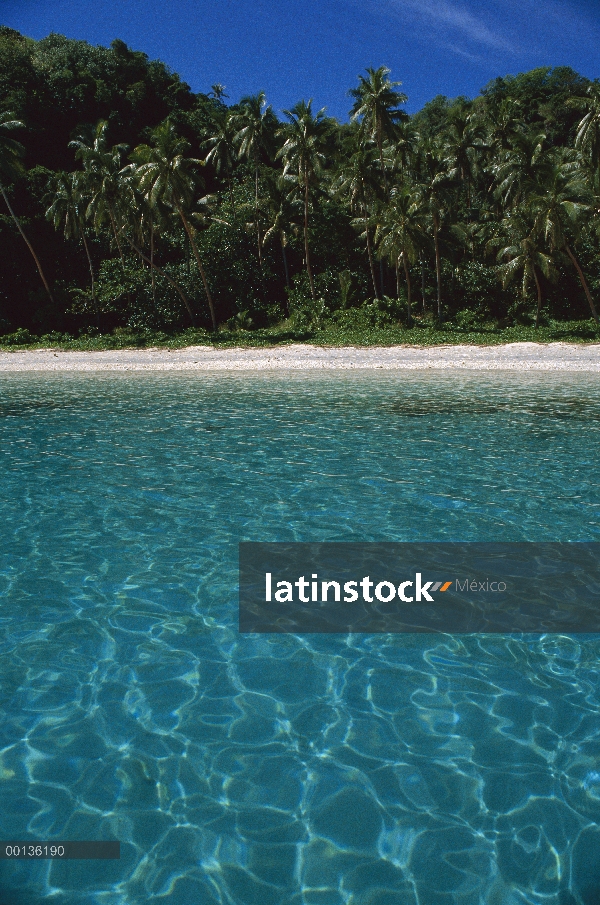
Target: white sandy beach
x,y
512,357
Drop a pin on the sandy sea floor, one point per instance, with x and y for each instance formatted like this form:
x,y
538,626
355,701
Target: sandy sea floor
x,y
512,357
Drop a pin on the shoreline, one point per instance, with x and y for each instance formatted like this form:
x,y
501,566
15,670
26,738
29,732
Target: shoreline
x,y
522,356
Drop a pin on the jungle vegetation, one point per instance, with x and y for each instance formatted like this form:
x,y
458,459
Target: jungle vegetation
x,y
130,203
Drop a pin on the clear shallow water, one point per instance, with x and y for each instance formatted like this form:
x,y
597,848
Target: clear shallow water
x,y
365,770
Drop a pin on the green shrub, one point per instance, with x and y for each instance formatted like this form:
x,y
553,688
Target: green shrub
x,y
306,313
20,337
364,318
469,319
240,321
54,338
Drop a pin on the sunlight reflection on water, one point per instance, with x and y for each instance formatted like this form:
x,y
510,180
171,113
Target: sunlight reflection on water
x,y
318,769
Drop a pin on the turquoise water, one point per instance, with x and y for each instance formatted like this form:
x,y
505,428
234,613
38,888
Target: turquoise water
x,y
309,770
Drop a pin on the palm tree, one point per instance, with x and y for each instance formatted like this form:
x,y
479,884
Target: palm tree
x,y
102,180
463,144
11,152
400,157
303,155
400,235
588,132
137,219
66,211
376,104
432,176
501,122
282,213
526,163
218,91
140,219
400,154
166,176
559,203
523,256
221,154
152,218
255,124
358,184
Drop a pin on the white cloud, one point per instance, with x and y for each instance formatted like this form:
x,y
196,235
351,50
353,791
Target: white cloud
x,y
445,15
450,23
517,32
471,57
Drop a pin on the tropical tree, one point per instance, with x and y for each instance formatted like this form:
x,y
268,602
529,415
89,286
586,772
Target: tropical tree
x,y
255,123
102,181
137,221
376,106
67,212
222,152
463,143
400,235
431,191
523,166
523,257
400,154
140,221
588,132
304,137
11,166
500,121
357,183
218,91
282,214
559,204
166,176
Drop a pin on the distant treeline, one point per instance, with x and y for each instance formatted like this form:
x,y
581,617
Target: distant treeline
x,y
130,201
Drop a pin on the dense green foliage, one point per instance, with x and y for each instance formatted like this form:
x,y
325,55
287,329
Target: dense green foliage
x,y
133,207
359,327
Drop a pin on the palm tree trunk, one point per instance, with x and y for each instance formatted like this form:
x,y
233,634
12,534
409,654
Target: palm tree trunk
x,y
438,266
256,215
285,263
89,257
27,242
398,278
119,246
306,249
386,196
423,286
166,276
152,260
380,146
370,254
539,298
583,283
116,235
408,290
200,268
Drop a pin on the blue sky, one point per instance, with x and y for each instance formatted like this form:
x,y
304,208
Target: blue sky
x,y
315,48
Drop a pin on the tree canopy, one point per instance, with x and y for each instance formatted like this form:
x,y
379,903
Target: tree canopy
x,y
128,200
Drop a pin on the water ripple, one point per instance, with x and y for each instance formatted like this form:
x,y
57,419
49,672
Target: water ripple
x,y
310,770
